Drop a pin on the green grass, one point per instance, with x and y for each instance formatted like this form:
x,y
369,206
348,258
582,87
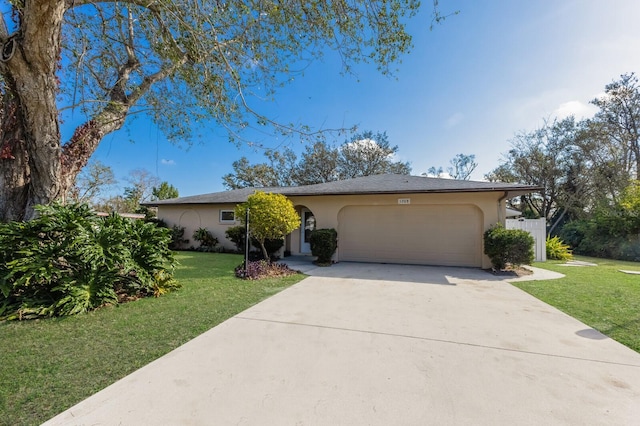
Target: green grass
x,y
600,296
46,366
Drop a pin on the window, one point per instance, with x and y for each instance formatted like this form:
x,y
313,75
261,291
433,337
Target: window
x,y
227,216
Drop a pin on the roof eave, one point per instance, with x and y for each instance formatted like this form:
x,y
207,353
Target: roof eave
x,y
511,192
515,191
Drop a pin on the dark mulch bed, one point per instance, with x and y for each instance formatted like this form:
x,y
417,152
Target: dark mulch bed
x,y
259,269
509,272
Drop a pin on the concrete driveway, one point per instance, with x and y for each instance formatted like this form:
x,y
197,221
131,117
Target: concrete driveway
x,y
363,344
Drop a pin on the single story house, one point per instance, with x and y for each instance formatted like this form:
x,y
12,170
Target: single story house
x,y
382,218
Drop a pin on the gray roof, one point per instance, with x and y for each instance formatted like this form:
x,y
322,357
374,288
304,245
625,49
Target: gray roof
x,y
377,184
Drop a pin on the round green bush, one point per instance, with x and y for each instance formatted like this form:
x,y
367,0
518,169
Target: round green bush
x,y
323,244
512,247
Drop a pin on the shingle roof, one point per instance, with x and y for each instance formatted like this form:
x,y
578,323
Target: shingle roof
x,y
377,184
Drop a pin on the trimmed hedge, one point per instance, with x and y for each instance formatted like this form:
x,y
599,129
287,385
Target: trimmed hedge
x,y
323,244
512,247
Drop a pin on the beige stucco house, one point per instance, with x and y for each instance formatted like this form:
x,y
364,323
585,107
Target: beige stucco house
x,y
382,218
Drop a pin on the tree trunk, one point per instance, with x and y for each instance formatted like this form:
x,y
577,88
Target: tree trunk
x,y
14,162
34,166
264,251
31,85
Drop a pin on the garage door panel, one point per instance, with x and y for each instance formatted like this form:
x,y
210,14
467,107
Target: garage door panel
x,y
438,235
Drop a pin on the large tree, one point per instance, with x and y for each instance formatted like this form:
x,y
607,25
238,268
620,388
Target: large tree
x,y
164,191
462,165
94,179
142,186
179,62
276,172
319,164
363,155
369,154
140,189
549,157
617,123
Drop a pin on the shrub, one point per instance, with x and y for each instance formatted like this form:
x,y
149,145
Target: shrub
x,y
68,261
508,247
271,244
272,217
557,249
177,237
236,234
323,244
611,233
206,239
262,269
177,233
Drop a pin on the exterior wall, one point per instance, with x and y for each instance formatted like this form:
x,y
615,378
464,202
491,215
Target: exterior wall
x,y
192,217
326,210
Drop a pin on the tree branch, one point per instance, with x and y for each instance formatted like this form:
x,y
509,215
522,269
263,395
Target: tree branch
x,y
4,31
148,4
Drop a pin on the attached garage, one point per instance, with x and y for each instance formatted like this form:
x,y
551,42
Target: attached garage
x,y
421,234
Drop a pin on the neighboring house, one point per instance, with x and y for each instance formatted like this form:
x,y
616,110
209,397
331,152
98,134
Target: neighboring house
x,y
381,218
137,216
513,213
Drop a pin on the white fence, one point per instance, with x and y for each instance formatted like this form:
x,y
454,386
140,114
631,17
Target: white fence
x,y
538,230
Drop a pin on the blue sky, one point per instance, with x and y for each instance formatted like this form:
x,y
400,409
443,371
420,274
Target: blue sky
x,y
470,84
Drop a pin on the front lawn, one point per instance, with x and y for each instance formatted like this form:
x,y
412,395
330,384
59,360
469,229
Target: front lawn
x,y
46,366
600,296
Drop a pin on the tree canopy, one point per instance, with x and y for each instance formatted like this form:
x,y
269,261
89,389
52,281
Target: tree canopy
x,y
583,166
94,180
179,62
461,167
271,216
164,191
365,154
369,154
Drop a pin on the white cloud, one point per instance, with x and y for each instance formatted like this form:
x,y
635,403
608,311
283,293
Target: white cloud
x,y
530,112
365,145
601,96
362,144
454,120
576,108
168,162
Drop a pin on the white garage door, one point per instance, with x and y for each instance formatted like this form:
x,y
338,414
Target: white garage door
x,y
430,235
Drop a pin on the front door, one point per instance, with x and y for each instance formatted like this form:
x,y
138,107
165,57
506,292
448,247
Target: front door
x,y
308,225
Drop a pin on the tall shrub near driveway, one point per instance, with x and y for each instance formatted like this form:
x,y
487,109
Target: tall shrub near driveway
x,y
271,216
323,244
68,261
512,247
